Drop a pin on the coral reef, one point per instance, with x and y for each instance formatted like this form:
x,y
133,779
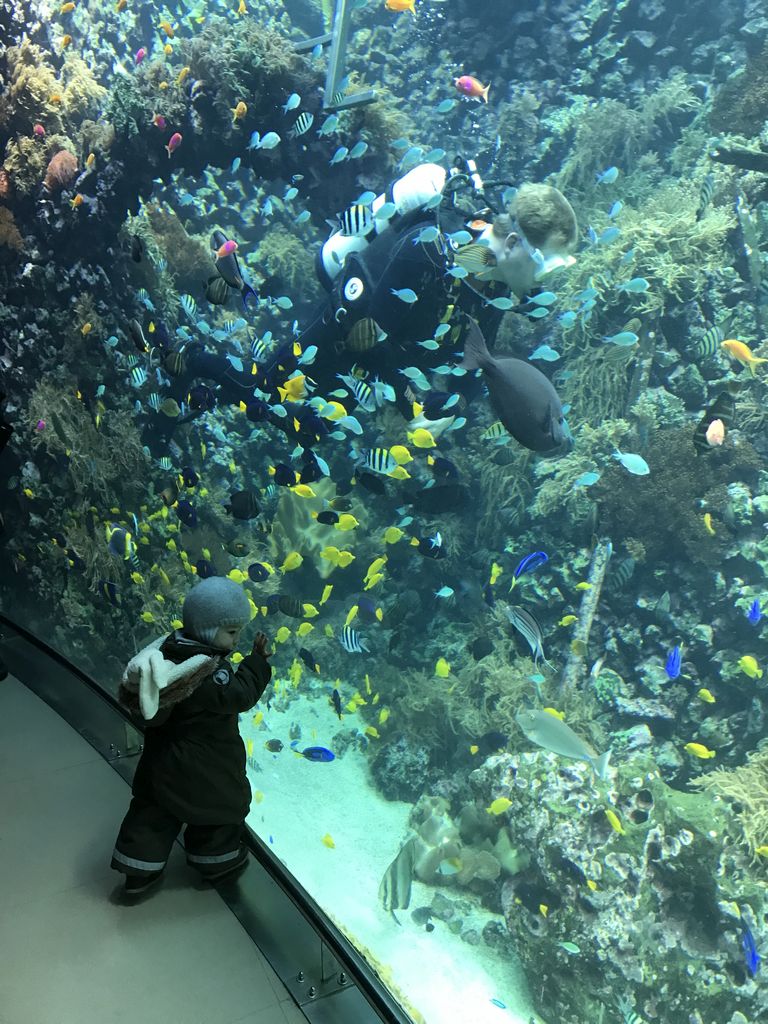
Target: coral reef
x,y
61,171
745,789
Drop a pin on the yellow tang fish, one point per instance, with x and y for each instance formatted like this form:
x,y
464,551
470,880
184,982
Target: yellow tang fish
x,y
496,571
614,822
706,695
237,575
698,750
177,623
762,851
304,629
375,566
304,491
328,841
567,620
421,438
474,748
258,717
310,611
345,558
346,521
400,454
442,668
708,524
371,730
383,715
282,635
351,615
292,561
583,586
399,473
236,658
499,805
258,796
147,617
326,593
373,581
749,667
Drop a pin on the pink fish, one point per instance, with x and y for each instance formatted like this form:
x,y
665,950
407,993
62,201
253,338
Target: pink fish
x,y
141,53
715,434
40,425
469,86
173,143
39,131
226,248
158,121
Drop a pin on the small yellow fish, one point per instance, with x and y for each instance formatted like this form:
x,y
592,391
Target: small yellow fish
x,y
421,438
399,473
615,822
371,730
698,750
239,112
749,667
182,75
499,805
303,491
474,749
177,623
393,534
249,748
293,389
236,658
147,617
351,615
555,713
162,85
567,620
292,561
66,8
282,635
442,668
237,575
583,586
376,565
167,49
121,5
762,851
241,8
310,612
400,454
258,718
592,885
373,581
86,328
383,715
328,841
543,909
496,571
346,521
65,41
706,695
137,577
327,589
167,28
304,629
258,796
708,524
345,558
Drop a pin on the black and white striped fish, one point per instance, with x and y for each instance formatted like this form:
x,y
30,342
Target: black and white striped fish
x,y
302,124
395,886
260,350
356,220
362,391
351,641
378,460
623,573
473,257
138,376
705,196
154,402
526,624
709,343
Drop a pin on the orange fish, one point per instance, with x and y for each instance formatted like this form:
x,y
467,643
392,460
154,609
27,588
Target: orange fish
x,y
121,5
738,350
77,201
470,86
55,97
65,41
239,112
67,8
167,28
401,5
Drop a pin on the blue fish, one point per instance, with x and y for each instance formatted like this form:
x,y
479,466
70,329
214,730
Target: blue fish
x,y
673,663
751,956
529,563
608,177
754,614
317,754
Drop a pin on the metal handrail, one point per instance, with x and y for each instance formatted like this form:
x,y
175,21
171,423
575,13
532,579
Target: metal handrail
x,y
377,995
338,39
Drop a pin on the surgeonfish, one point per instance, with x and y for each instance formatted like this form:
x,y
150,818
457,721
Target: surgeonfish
x,y
553,734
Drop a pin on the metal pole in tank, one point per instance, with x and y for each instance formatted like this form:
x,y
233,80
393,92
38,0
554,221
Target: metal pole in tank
x,y
574,666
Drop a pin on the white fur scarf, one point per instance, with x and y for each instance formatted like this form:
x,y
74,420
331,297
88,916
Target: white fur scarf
x,y
153,678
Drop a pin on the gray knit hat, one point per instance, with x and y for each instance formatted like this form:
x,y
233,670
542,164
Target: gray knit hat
x,y
213,603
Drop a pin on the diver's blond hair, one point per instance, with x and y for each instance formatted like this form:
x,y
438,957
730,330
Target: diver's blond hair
x,y
545,217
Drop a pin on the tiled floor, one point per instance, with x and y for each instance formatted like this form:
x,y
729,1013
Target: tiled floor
x,y
70,953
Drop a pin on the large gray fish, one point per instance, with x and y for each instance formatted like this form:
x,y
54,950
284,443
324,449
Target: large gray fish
x,y
522,397
553,734
228,268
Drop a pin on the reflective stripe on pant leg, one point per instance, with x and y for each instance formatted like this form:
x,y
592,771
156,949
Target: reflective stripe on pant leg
x,y
210,846
145,838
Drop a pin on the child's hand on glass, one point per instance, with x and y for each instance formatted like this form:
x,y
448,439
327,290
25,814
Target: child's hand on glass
x,y
261,645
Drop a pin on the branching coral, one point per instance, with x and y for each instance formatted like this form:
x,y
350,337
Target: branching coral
x,y
611,132
746,788
285,257
31,82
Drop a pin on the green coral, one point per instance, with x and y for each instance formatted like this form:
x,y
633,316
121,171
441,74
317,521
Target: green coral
x,y
286,258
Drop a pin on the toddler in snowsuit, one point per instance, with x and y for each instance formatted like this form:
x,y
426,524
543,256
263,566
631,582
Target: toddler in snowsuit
x,y
192,768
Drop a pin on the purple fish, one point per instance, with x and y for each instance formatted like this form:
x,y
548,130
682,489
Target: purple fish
x,y
754,614
530,562
673,663
317,754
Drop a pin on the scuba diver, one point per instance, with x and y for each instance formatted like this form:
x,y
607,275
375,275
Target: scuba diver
x,y
405,272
